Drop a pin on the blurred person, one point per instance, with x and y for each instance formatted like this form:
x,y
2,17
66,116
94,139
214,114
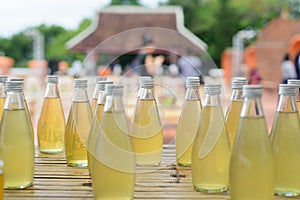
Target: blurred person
x,y
297,64
254,77
288,69
190,65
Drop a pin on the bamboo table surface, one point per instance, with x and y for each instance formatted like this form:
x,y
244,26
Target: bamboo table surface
x,y
53,179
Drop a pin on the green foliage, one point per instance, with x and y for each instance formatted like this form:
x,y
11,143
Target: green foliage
x,y
124,2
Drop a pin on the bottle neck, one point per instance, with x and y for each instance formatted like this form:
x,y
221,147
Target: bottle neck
x,y
212,100
237,95
52,91
192,94
2,90
14,101
114,103
287,103
146,93
252,107
101,97
80,95
297,95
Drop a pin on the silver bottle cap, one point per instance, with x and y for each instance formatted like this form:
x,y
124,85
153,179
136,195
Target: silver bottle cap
x,y
147,83
52,79
252,90
113,90
211,88
101,78
289,89
294,81
16,86
238,82
101,85
192,82
80,83
141,78
3,78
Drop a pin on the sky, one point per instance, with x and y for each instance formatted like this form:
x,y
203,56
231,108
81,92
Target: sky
x,y
17,15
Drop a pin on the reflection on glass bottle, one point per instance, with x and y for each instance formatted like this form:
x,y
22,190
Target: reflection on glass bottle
x,y
211,150
78,126
235,107
51,123
146,127
285,139
252,161
97,117
16,144
96,92
188,122
297,83
25,105
113,165
3,80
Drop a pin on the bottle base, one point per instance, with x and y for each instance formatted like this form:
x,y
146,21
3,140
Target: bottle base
x,y
286,193
148,164
77,164
17,187
184,164
51,151
211,188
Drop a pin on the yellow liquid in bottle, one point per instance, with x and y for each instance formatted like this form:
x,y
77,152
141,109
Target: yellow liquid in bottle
x,y
2,102
29,119
285,141
113,166
252,162
94,105
298,107
94,133
147,134
51,127
211,152
186,131
77,131
1,180
233,119
17,150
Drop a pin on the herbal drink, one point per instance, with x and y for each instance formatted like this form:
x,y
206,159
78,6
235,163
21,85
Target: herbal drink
x,y
19,139
285,139
51,127
94,104
211,151
298,107
147,133
2,101
252,163
94,133
77,130
1,180
113,159
232,120
186,131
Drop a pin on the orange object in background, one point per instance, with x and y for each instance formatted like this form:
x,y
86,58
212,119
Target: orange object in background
x,y
6,63
226,64
103,71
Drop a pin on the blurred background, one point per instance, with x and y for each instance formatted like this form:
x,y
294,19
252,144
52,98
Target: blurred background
x,y
90,38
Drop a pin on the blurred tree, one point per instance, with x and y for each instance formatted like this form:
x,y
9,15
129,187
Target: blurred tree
x,y
125,2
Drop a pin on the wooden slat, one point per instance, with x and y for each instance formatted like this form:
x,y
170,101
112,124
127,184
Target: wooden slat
x,y
53,179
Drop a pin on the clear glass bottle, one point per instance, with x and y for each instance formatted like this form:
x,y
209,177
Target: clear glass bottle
x,y
78,126
188,122
113,165
234,109
96,92
97,117
25,104
285,140
147,132
251,173
3,79
1,179
51,123
211,149
16,144
296,82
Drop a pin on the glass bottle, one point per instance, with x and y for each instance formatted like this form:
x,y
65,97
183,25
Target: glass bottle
x,y
235,107
3,79
97,117
211,149
78,126
51,123
16,144
96,92
297,83
285,140
1,179
251,173
188,122
147,133
25,105
113,165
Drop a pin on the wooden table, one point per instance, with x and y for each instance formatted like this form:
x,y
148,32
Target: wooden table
x,y
53,179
